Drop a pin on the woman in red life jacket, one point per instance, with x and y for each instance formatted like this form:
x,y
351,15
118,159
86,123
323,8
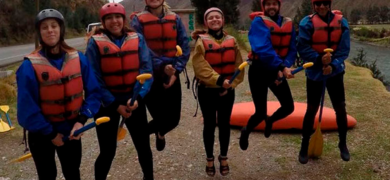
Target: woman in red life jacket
x,y
51,81
163,30
215,60
321,30
118,55
272,40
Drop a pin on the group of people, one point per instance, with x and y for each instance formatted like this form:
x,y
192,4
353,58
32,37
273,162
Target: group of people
x,y
60,88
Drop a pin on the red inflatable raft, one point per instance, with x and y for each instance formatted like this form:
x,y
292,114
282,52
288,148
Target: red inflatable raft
x,y
243,111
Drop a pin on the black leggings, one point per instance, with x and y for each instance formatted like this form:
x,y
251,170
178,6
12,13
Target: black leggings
x,y
43,153
215,107
335,87
137,125
164,106
259,82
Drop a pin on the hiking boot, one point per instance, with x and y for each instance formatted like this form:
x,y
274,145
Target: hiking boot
x,y
303,156
268,127
160,142
244,139
344,153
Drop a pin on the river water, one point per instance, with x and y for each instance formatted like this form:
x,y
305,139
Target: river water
x,y
381,54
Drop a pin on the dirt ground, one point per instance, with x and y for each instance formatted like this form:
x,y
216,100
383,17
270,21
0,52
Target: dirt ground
x,y
184,155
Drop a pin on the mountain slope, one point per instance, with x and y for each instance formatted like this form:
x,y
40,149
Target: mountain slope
x,y
289,7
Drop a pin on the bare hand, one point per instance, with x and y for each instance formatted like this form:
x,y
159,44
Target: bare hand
x,y
327,70
76,127
287,73
326,59
223,93
135,105
280,76
57,141
169,70
226,84
171,81
124,111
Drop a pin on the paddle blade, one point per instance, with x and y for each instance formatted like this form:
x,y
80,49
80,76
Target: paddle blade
x,y
316,143
121,134
102,120
4,127
22,158
4,108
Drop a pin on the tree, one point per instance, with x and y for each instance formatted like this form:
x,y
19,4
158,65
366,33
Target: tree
x,y
370,15
305,9
256,6
376,13
355,16
230,10
228,7
345,13
201,6
384,14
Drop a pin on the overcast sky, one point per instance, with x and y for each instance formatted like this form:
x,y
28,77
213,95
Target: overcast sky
x,y
115,0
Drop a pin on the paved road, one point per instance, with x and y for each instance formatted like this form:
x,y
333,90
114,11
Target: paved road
x,y
13,54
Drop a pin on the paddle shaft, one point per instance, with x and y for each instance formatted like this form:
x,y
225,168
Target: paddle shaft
x,y
238,72
8,119
293,72
234,76
135,95
322,100
81,130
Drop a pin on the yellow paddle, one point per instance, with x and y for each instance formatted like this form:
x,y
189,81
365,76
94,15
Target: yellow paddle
x,y
179,52
21,158
5,109
328,51
4,127
65,138
141,78
316,141
238,71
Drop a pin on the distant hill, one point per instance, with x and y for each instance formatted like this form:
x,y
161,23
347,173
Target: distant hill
x,y
289,7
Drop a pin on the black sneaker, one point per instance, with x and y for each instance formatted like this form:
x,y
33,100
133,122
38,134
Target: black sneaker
x,y
244,139
303,156
344,153
160,143
268,128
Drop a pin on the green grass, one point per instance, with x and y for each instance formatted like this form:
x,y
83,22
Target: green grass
x,y
369,102
375,26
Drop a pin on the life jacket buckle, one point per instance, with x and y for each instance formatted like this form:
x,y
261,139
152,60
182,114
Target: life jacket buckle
x,y
65,79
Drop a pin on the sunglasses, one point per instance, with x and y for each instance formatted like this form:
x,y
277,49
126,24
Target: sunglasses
x,y
325,3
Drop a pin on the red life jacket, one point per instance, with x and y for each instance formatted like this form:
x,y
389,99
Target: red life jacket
x,y
221,57
60,92
280,36
160,35
120,66
325,36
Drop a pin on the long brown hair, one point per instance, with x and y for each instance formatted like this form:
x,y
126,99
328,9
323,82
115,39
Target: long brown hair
x,y
100,29
63,46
